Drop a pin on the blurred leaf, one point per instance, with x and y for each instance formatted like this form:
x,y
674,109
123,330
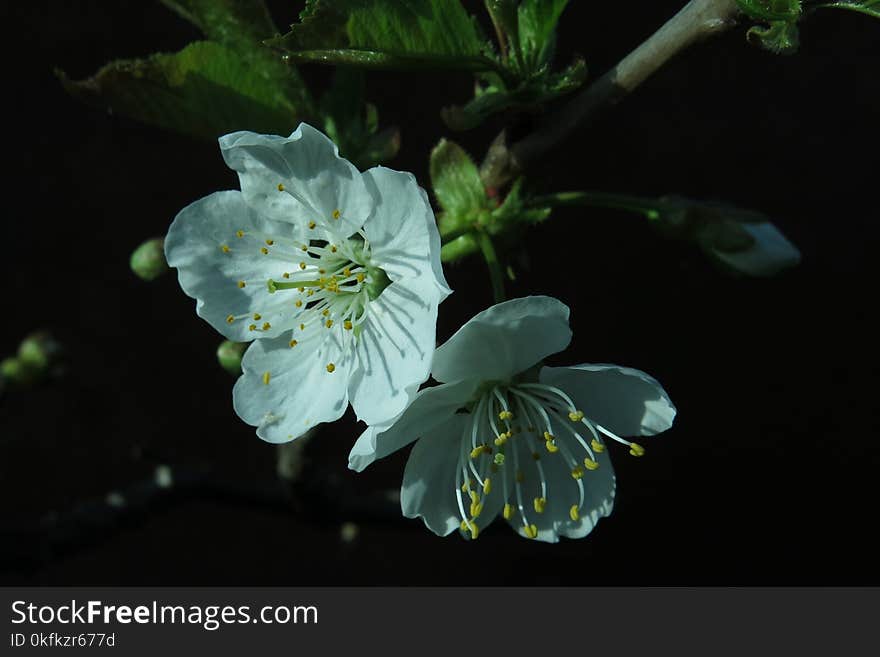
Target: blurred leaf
x,y
456,180
230,22
205,90
352,124
408,34
867,7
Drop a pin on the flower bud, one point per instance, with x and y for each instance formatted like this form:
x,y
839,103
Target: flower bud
x,y
38,351
148,260
229,355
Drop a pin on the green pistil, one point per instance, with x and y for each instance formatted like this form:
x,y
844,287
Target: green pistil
x,y
377,281
274,285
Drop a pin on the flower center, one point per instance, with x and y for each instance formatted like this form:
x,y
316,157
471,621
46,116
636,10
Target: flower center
x,y
321,284
513,428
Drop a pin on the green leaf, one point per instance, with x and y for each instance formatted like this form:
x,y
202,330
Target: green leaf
x,y
517,209
867,7
537,31
205,90
229,22
410,34
456,181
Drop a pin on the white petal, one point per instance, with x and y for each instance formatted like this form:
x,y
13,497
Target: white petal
x,y
316,181
402,231
211,273
429,481
623,400
431,407
504,340
562,493
298,392
394,349
770,254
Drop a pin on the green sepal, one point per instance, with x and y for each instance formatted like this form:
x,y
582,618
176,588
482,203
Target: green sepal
x,y
779,37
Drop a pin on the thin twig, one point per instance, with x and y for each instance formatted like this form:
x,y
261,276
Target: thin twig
x,y
697,20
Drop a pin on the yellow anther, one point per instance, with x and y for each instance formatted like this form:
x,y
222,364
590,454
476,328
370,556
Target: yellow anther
x,y
501,439
266,326
576,416
505,415
280,187
477,451
230,319
328,323
487,486
332,249
302,327
346,272
252,327
531,531
347,325
302,265
577,472
257,317
322,271
239,234
336,214
331,367
549,436
241,284
266,377
225,248
636,450
298,303
293,343
312,225
551,447
285,275
540,504
325,312
574,513
520,477
301,289
508,511
304,247
471,526
590,464
476,509
310,293
270,242
597,446
264,250
360,277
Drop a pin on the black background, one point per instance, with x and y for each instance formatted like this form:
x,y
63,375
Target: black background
x,y
768,476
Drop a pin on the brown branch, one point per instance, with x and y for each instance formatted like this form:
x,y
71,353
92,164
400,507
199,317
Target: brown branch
x,y
697,20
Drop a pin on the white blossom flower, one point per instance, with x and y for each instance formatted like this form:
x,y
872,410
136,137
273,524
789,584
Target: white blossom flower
x,y
504,435
334,274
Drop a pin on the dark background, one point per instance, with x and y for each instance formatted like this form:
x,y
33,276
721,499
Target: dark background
x,y
768,476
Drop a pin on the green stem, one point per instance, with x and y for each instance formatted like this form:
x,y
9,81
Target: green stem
x,y
649,208
491,258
